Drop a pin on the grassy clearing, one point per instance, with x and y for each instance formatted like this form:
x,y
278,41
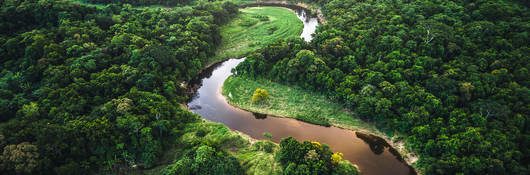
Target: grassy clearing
x,y
254,28
286,101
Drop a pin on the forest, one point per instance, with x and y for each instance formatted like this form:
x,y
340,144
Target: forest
x,y
98,89
143,2
451,75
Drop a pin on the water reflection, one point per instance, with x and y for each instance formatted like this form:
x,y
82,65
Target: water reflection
x,y
377,144
310,23
259,116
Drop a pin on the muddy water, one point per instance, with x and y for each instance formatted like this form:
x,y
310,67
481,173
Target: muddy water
x,y
371,154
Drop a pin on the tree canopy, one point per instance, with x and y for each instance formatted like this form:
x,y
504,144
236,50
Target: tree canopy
x,y
97,88
452,75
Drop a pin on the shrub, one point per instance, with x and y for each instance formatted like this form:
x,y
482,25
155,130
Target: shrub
x,y
314,118
261,17
345,167
336,158
268,135
205,160
272,30
260,95
247,22
265,146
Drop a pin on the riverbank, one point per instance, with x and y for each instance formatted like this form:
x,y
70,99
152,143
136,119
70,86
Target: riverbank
x,y
286,101
248,32
254,28
312,9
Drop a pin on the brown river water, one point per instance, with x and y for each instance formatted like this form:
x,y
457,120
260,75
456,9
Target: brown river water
x,y
372,154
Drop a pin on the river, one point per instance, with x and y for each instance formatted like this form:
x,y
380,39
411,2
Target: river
x,y
372,155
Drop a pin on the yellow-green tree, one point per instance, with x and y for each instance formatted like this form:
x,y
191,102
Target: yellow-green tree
x,y
336,158
260,95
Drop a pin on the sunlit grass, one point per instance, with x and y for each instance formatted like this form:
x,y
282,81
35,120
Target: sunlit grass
x,y
257,160
286,101
246,32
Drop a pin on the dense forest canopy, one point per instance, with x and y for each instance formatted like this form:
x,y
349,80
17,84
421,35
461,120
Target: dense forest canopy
x,y
143,2
88,89
452,75
84,88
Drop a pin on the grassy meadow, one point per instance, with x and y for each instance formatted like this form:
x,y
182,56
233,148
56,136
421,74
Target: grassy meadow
x,y
255,27
286,101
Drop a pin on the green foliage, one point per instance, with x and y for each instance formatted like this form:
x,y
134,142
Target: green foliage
x,y
259,95
292,102
345,167
30,110
261,17
211,134
260,158
143,2
251,30
314,118
450,74
21,158
336,158
265,146
247,22
268,135
311,158
205,161
96,88
205,148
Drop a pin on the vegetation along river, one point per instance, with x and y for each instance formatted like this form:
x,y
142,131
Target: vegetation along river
x,y
372,154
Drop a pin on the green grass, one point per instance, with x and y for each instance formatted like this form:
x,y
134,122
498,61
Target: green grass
x,y
286,101
260,158
247,33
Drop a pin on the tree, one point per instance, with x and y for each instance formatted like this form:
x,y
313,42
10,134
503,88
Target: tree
x,y
22,158
310,158
336,158
268,135
260,95
466,89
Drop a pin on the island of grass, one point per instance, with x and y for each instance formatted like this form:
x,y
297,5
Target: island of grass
x,y
286,101
255,27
